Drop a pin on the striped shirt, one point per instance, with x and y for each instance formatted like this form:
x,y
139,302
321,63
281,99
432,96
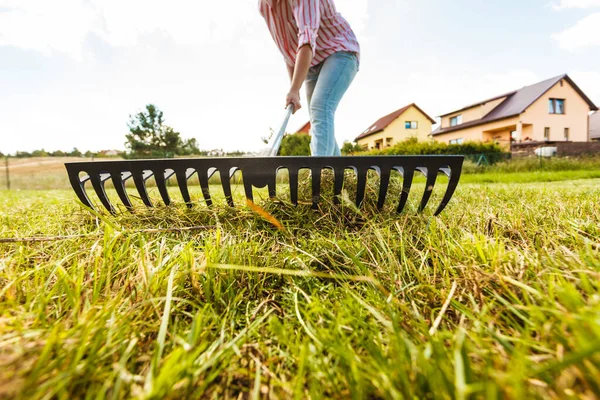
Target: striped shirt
x,y
296,23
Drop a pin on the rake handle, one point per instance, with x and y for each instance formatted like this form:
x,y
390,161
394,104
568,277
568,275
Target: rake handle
x,y
275,142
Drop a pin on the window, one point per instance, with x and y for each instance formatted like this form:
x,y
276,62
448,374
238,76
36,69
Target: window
x,y
411,124
556,106
456,120
457,141
566,134
546,133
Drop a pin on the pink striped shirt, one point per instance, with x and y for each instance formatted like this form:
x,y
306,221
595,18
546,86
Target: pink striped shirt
x,y
295,23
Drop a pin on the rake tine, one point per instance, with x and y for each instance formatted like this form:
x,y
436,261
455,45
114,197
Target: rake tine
x,y
293,178
161,183
140,185
407,178
454,176
316,187
118,183
226,184
431,178
79,188
272,188
384,181
98,186
338,184
361,185
247,179
182,178
203,178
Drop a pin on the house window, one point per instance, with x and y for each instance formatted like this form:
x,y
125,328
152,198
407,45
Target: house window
x,y
457,141
456,120
546,133
566,134
411,124
388,142
556,106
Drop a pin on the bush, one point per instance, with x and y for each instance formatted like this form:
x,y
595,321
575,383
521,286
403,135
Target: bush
x,y
414,147
297,144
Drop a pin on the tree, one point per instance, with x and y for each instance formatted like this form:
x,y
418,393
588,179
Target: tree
x,y
190,147
297,144
149,136
39,153
350,148
75,152
58,153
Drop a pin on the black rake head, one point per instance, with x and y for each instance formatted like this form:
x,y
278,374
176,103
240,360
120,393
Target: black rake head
x,y
261,172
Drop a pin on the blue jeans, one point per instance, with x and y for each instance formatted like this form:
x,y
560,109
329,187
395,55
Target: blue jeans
x,y
326,84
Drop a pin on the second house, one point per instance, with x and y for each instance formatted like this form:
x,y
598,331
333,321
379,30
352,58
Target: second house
x,y
405,123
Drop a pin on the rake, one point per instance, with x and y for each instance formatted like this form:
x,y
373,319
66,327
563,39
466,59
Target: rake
x,y
261,172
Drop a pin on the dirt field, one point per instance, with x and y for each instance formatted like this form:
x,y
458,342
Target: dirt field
x,y
37,173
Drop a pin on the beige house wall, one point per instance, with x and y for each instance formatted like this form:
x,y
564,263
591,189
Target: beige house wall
x,y
478,133
397,132
473,113
575,117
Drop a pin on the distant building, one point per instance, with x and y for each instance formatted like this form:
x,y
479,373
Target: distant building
x,y
216,153
595,126
553,110
109,153
405,123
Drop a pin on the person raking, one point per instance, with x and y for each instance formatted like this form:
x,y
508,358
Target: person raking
x,y
321,50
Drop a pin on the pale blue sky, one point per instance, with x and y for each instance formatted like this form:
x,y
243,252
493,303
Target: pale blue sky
x,y
71,71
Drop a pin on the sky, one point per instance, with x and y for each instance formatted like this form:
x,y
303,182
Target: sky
x,y
72,71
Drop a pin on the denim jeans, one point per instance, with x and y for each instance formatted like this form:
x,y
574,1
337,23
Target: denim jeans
x,y
326,84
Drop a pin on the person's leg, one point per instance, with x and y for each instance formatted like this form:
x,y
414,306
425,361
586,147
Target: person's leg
x,y
335,76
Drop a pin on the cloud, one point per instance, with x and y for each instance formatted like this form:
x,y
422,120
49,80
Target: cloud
x,y
63,25
564,4
585,33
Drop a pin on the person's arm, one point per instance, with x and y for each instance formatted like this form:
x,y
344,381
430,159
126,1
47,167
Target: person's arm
x,y
300,71
308,18
290,70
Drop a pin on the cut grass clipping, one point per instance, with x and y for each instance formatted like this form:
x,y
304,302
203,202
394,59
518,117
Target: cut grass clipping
x,y
496,298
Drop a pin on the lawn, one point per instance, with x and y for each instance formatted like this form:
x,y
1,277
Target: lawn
x,y
499,297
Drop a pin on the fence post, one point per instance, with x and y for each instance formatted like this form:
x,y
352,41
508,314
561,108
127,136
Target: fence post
x,y
7,173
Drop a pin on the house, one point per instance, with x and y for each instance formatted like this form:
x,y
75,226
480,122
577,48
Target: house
x,y
407,122
109,153
595,126
552,110
304,129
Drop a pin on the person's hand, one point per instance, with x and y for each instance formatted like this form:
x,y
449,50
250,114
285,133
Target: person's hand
x,y
294,99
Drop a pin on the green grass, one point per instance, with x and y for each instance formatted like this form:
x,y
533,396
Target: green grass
x,y
496,298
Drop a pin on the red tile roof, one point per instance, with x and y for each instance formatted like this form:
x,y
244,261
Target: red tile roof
x,y
304,128
384,122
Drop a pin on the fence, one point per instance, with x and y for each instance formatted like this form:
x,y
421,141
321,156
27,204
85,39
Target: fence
x,y
5,175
